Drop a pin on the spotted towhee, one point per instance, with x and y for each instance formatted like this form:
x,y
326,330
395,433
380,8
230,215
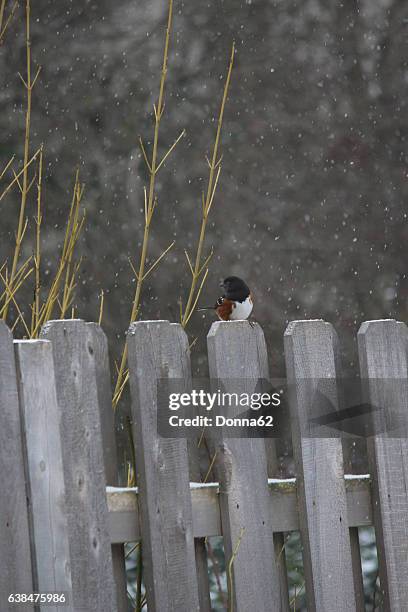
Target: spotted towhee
x,y
236,301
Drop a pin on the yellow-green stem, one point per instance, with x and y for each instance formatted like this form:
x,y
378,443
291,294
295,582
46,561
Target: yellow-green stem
x,y
2,7
158,110
20,228
208,200
37,259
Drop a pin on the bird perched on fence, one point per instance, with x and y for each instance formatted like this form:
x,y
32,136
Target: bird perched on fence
x,y
236,301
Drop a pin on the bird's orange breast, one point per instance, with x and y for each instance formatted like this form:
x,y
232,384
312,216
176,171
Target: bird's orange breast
x,y
224,310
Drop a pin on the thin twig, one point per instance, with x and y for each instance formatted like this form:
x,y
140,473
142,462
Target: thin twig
x,y
18,182
197,297
23,169
175,143
7,166
72,233
229,574
13,299
101,305
144,153
70,273
37,257
190,265
2,7
146,274
211,463
127,555
10,292
297,592
9,18
24,192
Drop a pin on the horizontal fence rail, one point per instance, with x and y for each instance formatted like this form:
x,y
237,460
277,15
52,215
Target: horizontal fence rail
x,y
205,498
64,520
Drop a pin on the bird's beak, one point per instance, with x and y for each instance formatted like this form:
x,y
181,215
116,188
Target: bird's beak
x,y
222,284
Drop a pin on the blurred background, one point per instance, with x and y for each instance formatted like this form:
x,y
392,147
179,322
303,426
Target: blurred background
x,y
311,206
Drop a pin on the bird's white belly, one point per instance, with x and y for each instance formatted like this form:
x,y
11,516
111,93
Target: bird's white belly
x,y
242,310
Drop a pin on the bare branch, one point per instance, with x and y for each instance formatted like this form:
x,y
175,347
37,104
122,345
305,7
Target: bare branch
x,y
150,205
7,166
144,154
170,150
22,80
214,190
20,314
36,77
31,183
207,201
206,262
218,162
16,287
9,18
24,168
193,343
189,262
158,260
18,182
196,299
101,305
133,269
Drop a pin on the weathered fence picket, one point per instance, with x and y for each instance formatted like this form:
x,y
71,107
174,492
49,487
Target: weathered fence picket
x,y
312,355
44,471
57,449
239,353
15,558
383,351
90,547
99,343
159,350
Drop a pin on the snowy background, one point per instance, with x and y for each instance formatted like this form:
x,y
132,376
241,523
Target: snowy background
x,y
311,207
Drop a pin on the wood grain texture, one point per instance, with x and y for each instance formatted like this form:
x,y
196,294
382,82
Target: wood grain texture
x,y
91,558
311,353
44,470
383,353
15,558
158,349
199,543
237,353
103,387
124,519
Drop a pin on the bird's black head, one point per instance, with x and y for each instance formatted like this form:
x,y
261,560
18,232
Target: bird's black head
x,y
235,289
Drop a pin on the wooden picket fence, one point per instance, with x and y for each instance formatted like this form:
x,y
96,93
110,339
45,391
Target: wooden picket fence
x,y
63,521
